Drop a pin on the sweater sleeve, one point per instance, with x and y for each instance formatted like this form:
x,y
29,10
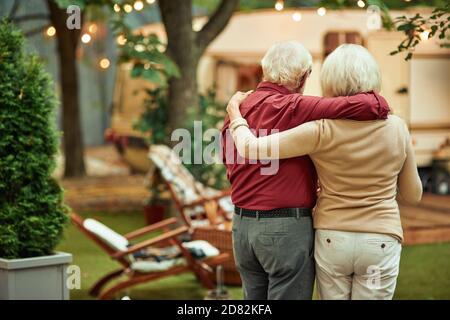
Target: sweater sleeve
x,y
301,140
409,184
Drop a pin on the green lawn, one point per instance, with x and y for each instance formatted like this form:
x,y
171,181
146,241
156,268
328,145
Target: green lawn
x,y
424,269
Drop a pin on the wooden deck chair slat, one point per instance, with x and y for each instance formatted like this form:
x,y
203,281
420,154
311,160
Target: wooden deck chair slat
x,y
135,277
213,222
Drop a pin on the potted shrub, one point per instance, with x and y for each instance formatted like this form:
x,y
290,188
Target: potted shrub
x,y
32,214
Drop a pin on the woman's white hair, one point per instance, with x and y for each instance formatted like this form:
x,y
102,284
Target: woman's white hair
x,y
348,70
285,63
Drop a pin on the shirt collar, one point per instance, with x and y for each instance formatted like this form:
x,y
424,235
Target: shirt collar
x,y
273,87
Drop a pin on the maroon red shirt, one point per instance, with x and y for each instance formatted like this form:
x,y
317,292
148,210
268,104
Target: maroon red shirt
x,y
275,107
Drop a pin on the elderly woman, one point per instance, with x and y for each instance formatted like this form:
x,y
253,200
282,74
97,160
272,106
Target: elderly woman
x,y
362,168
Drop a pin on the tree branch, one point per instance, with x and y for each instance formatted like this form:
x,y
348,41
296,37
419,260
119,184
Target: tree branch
x,y
35,31
216,23
35,16
57,17
177,19
14,9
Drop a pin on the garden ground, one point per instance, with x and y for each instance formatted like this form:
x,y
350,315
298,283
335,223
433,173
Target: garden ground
x,y
424,269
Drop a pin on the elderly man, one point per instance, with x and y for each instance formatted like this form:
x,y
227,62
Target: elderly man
x,y
273,236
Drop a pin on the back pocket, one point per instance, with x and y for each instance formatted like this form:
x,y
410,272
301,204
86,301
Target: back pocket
x,y
275,227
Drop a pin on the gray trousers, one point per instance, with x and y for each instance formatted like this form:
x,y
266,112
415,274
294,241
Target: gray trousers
x,y
274,257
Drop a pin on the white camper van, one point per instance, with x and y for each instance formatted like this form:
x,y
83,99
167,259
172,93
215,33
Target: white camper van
x,y
417,90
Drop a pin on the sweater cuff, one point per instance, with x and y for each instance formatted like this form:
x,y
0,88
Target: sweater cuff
x,y
237,123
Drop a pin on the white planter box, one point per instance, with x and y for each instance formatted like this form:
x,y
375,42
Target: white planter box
x,y
39,278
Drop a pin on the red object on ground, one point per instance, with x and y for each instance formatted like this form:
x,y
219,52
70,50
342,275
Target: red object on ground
x,y
154,213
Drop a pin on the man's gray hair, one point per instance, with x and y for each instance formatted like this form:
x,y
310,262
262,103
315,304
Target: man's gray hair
x,y
285,63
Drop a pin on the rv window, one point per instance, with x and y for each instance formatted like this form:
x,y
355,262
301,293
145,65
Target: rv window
x,y
334,39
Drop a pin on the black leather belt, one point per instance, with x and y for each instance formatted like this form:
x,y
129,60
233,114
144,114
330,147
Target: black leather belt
x,y
275,213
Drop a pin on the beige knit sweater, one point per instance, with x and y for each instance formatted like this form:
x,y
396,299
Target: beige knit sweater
x,y
362,167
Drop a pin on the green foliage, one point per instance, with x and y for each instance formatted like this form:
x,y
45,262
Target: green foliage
x,y
150,62
153,122
437,24
146,52
82,3
210,114
390,4
154,118
32,215
66,3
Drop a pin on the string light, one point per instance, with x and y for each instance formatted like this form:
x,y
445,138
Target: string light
x,y
296,16
93,28
361,3
424,35
127,8
138,5
116,8
51,31
139,48
121,40
279,5
104,63
86,38
150,1
321,11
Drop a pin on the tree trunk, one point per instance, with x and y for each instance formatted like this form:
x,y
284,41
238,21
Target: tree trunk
x,y
67,46
181,47
183,94
186,47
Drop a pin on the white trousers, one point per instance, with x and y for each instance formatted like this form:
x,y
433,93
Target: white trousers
x,y
356,266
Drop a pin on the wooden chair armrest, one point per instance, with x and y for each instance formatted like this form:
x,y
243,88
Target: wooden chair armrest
x,y
214,261
76,219
144,244
150,228
210,228
206,199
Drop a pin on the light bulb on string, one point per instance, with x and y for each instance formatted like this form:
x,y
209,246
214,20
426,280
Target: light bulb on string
x,y
279,5
424,35
297,16
93,28
51,31
121,40
104,63
321,11
138,5
128,8
86,38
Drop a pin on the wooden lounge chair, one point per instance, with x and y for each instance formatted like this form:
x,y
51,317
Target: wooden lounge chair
x,y
136,271
207,211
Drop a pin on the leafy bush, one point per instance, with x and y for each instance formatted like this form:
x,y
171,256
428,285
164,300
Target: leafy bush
x,y
211,114
154,118
32,215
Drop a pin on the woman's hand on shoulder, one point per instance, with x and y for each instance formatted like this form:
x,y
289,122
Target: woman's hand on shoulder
x,y
235,102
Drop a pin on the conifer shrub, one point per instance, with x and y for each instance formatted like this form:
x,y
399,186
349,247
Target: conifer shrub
x,y
32,214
